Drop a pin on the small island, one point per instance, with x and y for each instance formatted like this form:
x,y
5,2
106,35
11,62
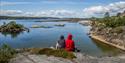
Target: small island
x,y
61,25
12,27
40,26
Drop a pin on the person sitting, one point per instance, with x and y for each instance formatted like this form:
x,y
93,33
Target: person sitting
x,y
60,43
70,46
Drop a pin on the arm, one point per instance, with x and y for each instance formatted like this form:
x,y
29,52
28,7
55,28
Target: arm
x,y
73,45
57,45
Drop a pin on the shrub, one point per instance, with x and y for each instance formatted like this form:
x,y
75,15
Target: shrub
x,y
57,53
118,30
11,27
6,53
113,21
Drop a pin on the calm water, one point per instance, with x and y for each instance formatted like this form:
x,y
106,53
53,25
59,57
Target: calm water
x,y
46,37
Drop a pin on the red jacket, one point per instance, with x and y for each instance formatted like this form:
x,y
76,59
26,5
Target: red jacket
x,y
70,46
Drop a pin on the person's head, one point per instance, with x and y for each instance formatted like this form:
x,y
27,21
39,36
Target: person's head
x,y
61,37
69,36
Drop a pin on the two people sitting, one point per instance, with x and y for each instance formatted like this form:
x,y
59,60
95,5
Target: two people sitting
x,y
67,44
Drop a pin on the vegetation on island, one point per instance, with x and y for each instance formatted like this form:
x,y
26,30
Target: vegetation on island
x,y
6,53
12,27
40,26
61,25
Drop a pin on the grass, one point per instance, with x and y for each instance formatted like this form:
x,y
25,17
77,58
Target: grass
x,y
6,53
112,22
118,30
53,52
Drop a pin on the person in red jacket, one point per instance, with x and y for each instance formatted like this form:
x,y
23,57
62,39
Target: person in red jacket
x,y
69,45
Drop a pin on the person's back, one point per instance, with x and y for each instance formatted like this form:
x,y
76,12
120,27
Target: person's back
x,y
70,46
60,43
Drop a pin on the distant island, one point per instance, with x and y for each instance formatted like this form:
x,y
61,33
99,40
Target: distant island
x,y
25,17
54,18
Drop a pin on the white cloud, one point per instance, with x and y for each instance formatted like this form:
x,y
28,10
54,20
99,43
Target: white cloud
x,y
113,8
58,13
47,13
10,12
6,3
97,9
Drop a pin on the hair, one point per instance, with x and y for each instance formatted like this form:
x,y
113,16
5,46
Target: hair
x,y
61,37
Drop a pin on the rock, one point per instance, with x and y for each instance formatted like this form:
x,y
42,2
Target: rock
x,y
85,23
81,58
21,58
115,34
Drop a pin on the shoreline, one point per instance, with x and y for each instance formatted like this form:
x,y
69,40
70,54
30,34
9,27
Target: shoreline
x,y
80,58
106,42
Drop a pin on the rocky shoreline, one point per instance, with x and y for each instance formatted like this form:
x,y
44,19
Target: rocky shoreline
x,y
100,38
113,39
81,58
111,36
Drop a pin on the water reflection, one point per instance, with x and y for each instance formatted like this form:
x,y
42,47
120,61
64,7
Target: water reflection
x,y
13,35
112,51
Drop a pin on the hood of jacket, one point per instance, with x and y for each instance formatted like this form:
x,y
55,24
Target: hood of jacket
x,y
69,37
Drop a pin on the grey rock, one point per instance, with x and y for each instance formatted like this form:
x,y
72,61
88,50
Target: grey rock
x,y
81,58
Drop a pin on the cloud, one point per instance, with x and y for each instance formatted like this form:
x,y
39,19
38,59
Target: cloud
x,y
58,13
7,3
96,11
10,12
47,13
113,8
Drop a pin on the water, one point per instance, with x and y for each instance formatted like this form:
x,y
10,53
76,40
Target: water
x,y
47,37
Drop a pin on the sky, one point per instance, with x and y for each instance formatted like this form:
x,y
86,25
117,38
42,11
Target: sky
x,y
61,8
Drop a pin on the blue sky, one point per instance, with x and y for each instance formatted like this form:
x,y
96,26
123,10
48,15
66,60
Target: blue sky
x,y
61,8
